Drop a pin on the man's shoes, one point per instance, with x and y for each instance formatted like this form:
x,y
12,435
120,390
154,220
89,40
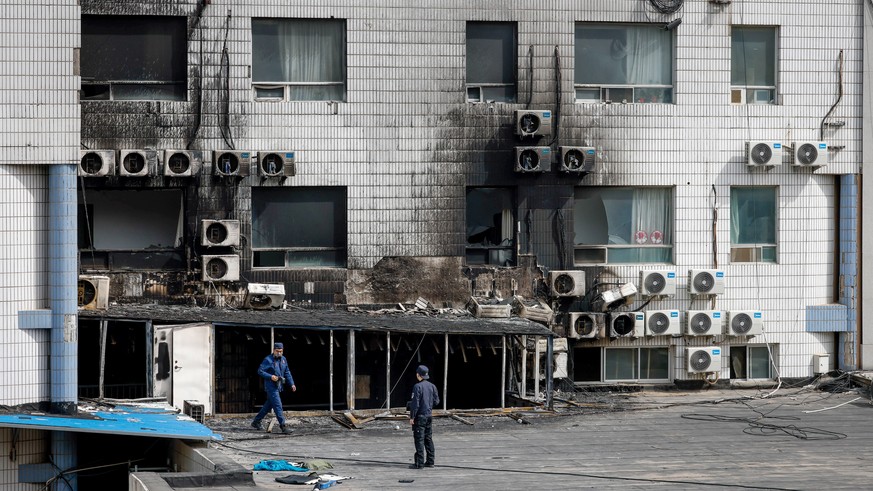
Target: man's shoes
x,y
428,464
257,425
286,430
415,466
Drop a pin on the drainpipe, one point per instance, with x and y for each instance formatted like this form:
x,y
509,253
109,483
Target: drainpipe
x,y
63,280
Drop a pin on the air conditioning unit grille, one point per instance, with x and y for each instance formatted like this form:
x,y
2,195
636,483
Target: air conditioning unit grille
x,y
655,282
700,360
87,292
741,323
216,233
564,284
133,163
272,164
216,268
704,282
700,323
529,123
179,163
659,323
761,153
92,163
623,325
529,160
585,326
227,163
807,154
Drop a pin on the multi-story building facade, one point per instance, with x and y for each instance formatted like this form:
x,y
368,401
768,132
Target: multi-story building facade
x,y
368,154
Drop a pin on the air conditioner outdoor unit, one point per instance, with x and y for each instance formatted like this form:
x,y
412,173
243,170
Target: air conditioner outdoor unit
x,y
703,322
763,154
220,268
567,283
263,296
135,163
586,325
96,163
184,163
195,409
533,159
232,163
706,282
809,154
744,323
93,292
276,164
529,122
219,233
705,359
663,323
657,283
578,160
626,324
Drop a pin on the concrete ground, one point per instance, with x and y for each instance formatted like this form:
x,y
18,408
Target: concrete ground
x,y
790,438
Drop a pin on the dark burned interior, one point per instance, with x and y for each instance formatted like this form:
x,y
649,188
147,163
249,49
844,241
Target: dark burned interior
x,y
123,359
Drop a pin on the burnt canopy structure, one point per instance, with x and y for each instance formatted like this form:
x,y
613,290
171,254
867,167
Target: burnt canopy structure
x,y
340,360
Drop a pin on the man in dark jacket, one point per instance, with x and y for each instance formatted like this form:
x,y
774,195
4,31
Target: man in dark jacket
x,y
274,370
424,398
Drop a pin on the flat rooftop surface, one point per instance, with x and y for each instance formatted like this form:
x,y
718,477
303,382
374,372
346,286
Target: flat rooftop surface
x,y
793,438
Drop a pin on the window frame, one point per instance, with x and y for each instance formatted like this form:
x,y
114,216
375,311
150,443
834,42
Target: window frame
x,y
637,364
598,254
512,247
748,358
289,251
740,93
261,87
624,93
754,252
481,87
112,86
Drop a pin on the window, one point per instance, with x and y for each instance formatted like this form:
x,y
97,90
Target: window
x,y
134,58
753,65
634,364
490,226
753,224
491,62
299,227
622,225
749,362
131,229
623,63
299,59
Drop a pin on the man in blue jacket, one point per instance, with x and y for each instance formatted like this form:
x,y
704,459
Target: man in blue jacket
x,y
274,370
424,398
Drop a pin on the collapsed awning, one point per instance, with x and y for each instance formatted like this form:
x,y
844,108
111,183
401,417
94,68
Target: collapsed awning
x,y
158,421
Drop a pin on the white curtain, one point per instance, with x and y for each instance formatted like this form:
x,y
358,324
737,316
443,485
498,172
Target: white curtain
x,y
506,227
651,213
647,52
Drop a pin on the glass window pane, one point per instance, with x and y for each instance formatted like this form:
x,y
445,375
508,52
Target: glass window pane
x,y
299,217
316,93
157,92
621,364
640,255
605,215
759,362
135,219
491,52
490,220
503,93
614,54
298,50
738,362
269,259
316,258
128,47
753,215
753,56
654,363
277,93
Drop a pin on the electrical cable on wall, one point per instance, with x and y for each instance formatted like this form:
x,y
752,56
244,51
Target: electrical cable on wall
x,y
530,76
714,195
199,93
557,118
224,94
839,95
559,215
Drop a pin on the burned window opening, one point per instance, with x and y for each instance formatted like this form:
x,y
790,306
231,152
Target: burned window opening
x,y
474,372
491,226
122,353
138,230
143,452
491,61
134,58
295,227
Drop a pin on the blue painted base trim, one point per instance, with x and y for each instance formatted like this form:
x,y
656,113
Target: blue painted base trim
x,y
35,319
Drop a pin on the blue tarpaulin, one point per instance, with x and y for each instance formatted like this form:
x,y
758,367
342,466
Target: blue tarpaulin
x,y
133,420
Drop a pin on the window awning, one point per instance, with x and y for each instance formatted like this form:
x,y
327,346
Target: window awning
x,y
158,421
